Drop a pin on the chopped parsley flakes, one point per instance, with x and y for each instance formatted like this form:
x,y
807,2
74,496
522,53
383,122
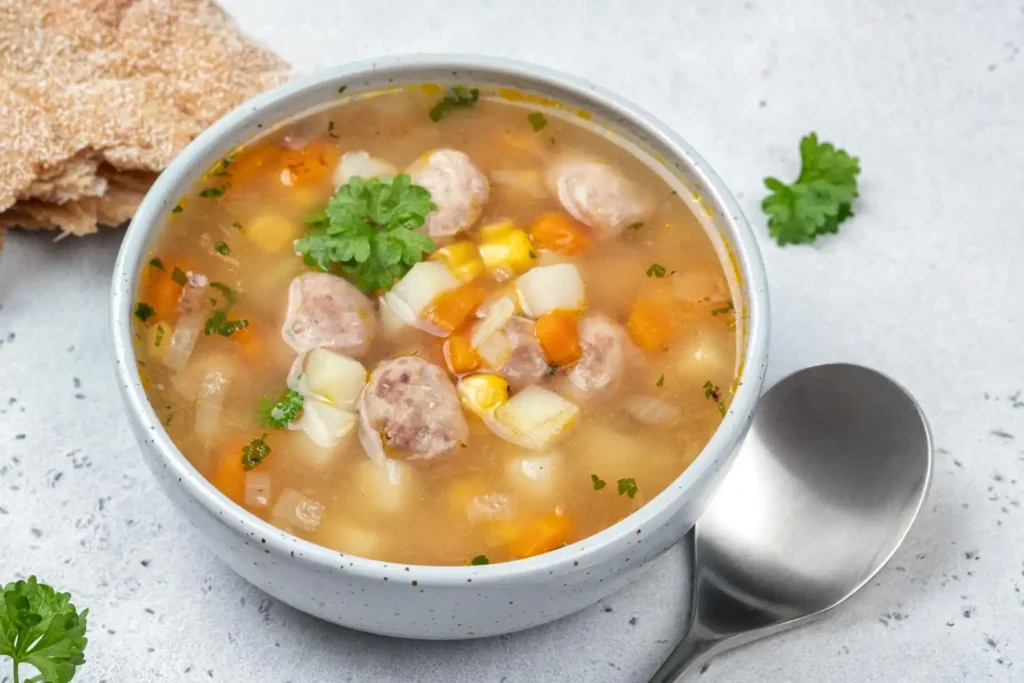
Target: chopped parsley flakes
x,y
656,270
157,263
635,226
538,121
222,248
724,309
179,276
281,413
627,487
144,311
457,97
218,323
597,481
217,191
254,452
479,559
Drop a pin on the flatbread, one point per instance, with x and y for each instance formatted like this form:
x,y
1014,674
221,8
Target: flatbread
x,y
97,97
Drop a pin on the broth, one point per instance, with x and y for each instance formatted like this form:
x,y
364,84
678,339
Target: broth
x,y
445,480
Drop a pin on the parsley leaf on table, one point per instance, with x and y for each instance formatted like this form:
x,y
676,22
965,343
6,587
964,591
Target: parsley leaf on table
x,y
40,627
369,229
281,413
457,97
820,198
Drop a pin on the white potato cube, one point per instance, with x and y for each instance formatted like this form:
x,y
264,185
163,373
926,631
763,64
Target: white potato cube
x,y
336,377
385,487
296,511
546,288
535,476
325,425
535,417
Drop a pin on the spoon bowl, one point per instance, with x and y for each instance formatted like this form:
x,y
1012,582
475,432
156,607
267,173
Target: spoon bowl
x,y
832,475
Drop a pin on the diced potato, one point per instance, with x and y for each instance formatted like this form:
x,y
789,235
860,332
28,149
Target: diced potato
x,y
385,487
336,377
535,417
348,538
482,394
257,489
325,424
296,511
705,356
535,476
606,452
546,288
411,295
462,258
511,250
272,233
651,411
461,492
360,163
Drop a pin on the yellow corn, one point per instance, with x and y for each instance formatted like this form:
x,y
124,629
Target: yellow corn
x,y
482,394
462,258
495,231
511,250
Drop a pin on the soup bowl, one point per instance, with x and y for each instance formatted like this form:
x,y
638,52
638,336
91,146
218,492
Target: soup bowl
x,y
447,602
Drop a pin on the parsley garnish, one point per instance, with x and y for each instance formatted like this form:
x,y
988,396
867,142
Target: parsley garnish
x,y
144,311
218,323
225,290
281,413
178,208
341,88
40,627
713,393
220,169
160,332
236,225
597,482
457,97
157,263
627,487
660,382
656,270
538,121
820,198
222,248
179,276
533,255
724,309
480,559
635,226
330,130
369,229
552,369
214,191
255,452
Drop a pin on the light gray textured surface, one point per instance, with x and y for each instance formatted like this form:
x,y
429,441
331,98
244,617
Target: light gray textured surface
x,y
923,284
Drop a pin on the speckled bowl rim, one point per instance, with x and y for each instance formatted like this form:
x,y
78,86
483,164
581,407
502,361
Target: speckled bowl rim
x,y
602,546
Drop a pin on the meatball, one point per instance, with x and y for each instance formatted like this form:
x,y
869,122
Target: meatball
x,y
409,408
605,347
597,194
456,186
326,311
526,363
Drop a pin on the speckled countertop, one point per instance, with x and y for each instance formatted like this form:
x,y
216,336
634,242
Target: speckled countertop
x,y
923,284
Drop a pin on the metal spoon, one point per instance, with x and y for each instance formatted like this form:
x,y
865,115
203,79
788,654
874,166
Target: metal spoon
x,y
825,488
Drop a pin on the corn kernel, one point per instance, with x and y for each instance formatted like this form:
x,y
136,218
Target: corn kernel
x,y
462,258
512,250
495,231
483,394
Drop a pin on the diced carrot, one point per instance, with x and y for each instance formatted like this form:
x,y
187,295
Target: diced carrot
x,y
460,355
559,337
650,321
249,338
161,292
229,476
560,233
309,166
452,308
249,163
542,535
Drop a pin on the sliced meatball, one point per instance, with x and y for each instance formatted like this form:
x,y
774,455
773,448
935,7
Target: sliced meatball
x,y
325,310
526,363
456,186
597,194
409,408
605,347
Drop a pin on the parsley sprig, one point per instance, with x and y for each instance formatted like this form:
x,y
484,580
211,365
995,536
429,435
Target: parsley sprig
x,y
820,198
369,230
40,627
281,413
457,97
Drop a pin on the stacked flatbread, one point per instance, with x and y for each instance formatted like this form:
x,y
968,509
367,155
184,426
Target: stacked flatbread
x,y
97,96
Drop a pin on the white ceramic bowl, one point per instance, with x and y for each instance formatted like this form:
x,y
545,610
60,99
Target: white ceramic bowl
x,y
425,601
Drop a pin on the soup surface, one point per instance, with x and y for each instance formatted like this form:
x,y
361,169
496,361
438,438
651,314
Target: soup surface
x,y
437,327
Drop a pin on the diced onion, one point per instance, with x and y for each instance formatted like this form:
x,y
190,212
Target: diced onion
x,y
324,424
347,538
490,507
546,288
411,295
535,417
384,487
183,341
499,312
651,411
495,350
296,511
257,489
335,377
361,164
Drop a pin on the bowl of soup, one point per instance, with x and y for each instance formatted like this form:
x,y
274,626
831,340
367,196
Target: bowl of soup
x,y
439,347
